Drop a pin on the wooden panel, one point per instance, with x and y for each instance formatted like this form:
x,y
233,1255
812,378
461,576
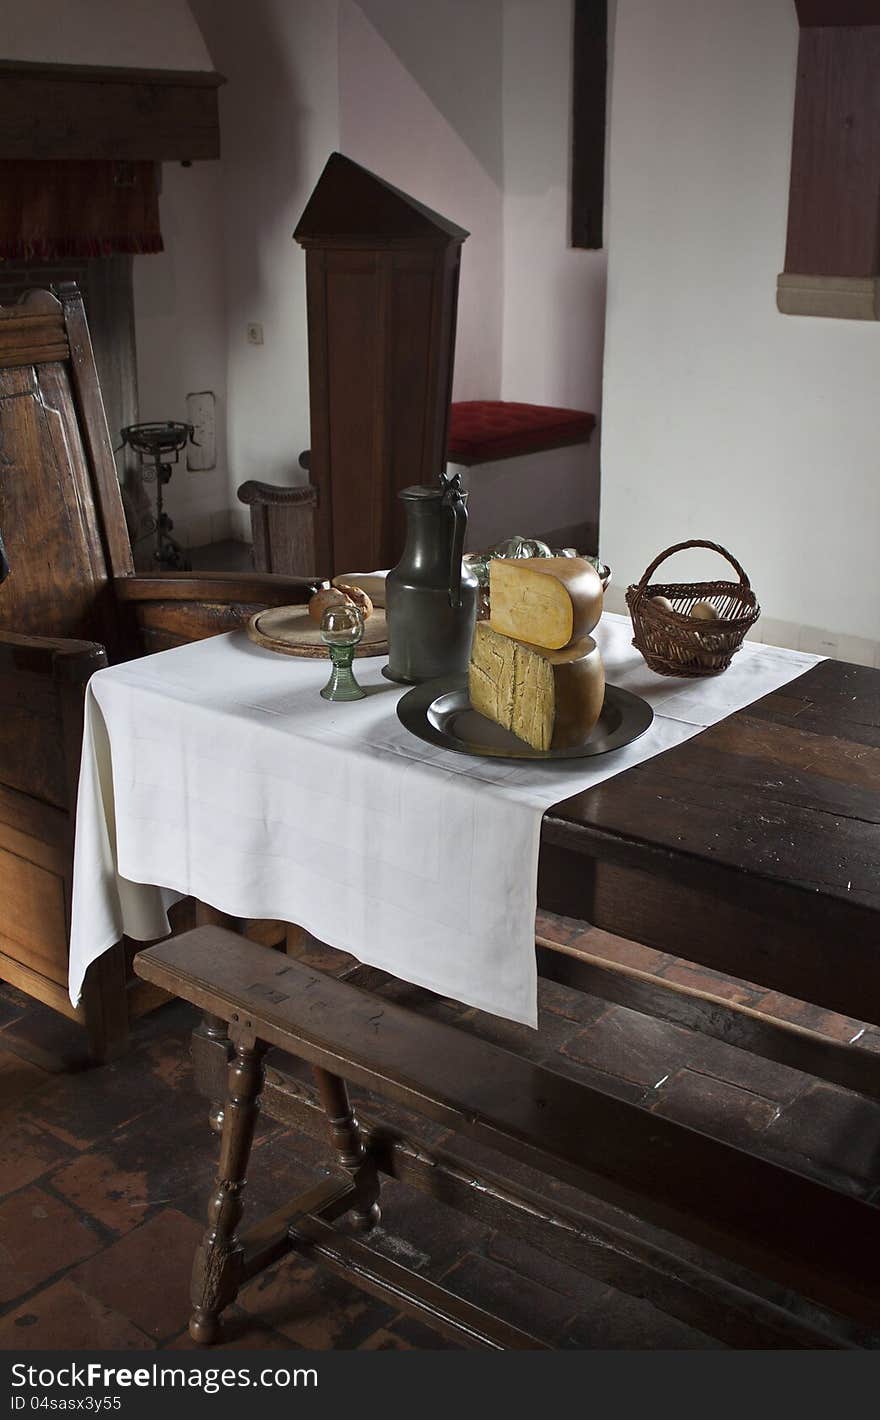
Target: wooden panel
x,y
833,213
410,421
33,923
32,331
33,817
69,111
589,100
354,388
54,857
98,446
31,747
47,512
41,988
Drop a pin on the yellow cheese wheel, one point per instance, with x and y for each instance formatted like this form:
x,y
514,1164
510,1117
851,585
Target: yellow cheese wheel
x,y
552,602
549,699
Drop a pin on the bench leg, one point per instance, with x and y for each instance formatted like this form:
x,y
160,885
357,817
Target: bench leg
x,y
211,1049
350,1150
218,1264
210,1044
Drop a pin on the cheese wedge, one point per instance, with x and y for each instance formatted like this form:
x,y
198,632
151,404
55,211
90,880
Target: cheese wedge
x,y
545,601
550,699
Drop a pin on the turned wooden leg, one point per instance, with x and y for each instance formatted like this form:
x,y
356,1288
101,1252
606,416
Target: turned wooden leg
x,y
217,1268
349,1145
211,1049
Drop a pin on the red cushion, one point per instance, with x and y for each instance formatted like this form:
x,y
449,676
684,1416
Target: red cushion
x,y
481,430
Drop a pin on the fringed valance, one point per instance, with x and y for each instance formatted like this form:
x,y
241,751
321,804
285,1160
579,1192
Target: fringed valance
x,y
52,210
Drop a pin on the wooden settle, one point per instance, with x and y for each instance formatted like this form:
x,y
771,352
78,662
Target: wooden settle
x,y
70,603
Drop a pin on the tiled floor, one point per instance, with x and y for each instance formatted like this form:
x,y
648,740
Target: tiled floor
x,y
104,1174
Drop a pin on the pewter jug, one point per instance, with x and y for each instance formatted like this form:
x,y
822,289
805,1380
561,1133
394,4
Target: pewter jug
x,y
431,596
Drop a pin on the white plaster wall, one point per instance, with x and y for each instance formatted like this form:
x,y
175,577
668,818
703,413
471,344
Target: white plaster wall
x,y
279,123
723,418
142,34
180,331
179,294
554,294
420,104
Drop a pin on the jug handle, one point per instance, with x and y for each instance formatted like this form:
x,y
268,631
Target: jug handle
x,y
454,501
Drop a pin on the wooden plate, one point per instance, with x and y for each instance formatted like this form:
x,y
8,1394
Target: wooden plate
x,y
291,631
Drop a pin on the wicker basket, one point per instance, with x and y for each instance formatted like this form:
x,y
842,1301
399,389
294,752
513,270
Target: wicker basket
x,y
676,643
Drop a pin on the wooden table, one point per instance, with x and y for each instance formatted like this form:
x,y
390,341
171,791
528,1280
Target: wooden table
x,y
751,849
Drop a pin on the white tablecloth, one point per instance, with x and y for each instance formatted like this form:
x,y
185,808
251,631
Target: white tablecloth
x,y
216,770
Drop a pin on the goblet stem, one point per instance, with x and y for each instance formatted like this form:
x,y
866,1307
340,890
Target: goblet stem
x,y
342,684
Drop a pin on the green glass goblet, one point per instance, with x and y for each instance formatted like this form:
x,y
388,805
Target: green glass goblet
x,y
342,627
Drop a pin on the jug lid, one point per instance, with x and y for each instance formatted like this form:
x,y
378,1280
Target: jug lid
x,y
422,491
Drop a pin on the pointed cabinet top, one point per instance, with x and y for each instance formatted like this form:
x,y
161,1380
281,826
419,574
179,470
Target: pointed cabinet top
x,y
353,207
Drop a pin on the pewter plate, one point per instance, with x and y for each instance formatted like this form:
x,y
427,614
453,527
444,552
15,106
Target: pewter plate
x,y
440,712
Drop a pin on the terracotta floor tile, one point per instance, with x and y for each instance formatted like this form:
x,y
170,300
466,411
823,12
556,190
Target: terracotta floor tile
x,y
93,1183
39,1236
159,1160
26,1150
563,1001
801,1013
556,928
421,1234
714,983
646,1051
12,1004
241,1332
406,1333
537,1045
18,1077
145,1275
64,1318
837,1132
520,1300
620,949
81,1109
47,1039
317,1310
715,1107
622,1323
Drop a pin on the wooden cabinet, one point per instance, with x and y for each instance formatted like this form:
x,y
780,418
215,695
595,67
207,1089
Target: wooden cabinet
x,y
382,289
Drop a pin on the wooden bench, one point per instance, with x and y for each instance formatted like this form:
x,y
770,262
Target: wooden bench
x,y
799,1234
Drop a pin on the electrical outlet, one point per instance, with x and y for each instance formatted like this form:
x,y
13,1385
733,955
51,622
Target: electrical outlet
x,y
255,333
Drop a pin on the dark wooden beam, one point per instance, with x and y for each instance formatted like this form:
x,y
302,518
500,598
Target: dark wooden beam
x,y
70,111
589,98
837,13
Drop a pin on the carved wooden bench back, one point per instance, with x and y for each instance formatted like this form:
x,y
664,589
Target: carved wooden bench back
x,y
61,515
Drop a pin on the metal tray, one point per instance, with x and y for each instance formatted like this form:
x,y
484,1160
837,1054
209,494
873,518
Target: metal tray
x,y
440,712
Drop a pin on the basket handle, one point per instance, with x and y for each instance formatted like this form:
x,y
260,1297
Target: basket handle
x,y
694,542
